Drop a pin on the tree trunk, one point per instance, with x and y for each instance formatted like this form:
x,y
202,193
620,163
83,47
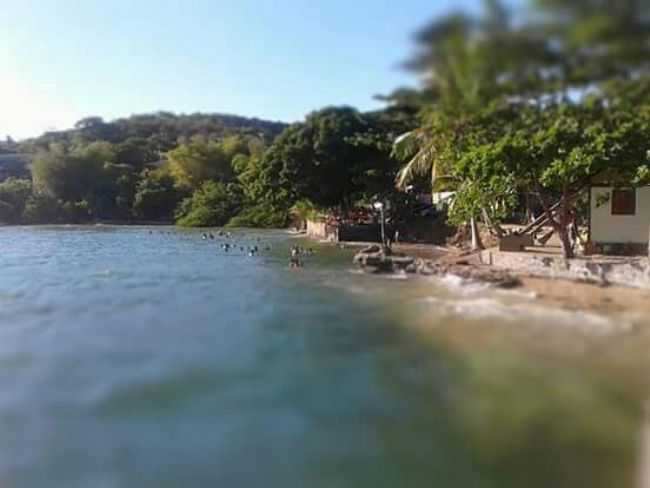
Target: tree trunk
x,y
561,223
530,217
567,246
563,227
494,227
477,244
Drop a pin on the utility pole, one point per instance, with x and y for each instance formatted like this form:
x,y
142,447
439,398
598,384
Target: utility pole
x,y
380,207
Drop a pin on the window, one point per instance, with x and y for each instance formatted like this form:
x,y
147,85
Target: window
x,y
624,202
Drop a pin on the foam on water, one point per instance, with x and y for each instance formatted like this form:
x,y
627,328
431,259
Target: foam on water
x,y
529,314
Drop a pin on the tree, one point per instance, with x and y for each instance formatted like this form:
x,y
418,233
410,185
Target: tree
x,y
89,123
598,40
213,204
336,157
201,159
156,196
107,167
73,174
14,194
118,191
469,62
42,208
552,151
504,96
136,152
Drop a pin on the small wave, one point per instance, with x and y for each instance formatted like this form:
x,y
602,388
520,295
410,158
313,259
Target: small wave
x,y
356,271
397,276
491,308
461,285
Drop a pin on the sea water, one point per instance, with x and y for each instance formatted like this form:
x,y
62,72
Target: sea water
x,y
152,356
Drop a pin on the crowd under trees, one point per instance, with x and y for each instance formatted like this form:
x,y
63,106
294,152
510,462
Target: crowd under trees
x,y
530,103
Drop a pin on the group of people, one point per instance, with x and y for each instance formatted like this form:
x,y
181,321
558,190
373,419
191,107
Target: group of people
x,y
296,253
251,250
295,256
221,233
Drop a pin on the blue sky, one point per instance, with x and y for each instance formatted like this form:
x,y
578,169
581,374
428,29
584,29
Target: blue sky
x,y
279,59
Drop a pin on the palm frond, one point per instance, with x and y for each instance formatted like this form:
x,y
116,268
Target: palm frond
x,y
420,150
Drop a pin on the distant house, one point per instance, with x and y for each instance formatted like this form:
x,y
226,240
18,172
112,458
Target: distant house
x,y
619,219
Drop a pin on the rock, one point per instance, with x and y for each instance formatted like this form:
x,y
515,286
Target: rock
x,y
477,273
381,261
401,262
412,268
373,249
376,261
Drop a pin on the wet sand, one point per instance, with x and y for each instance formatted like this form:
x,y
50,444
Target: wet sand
x,y
574,295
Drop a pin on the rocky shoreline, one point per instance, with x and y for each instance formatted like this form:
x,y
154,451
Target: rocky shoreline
x,y
376,259
576,294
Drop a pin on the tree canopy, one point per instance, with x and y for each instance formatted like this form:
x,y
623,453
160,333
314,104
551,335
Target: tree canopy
x,y
211,170
539,105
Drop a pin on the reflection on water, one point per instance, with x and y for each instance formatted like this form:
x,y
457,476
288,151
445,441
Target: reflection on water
x,y
137,359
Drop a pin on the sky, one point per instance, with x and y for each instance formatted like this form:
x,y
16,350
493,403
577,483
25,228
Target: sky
x,y
62,60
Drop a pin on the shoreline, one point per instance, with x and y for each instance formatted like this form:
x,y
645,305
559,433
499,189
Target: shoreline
x,y
573,293
427,260
112,223
582,296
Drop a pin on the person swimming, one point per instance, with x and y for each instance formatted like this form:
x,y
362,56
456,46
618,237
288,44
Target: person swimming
x,y
294,258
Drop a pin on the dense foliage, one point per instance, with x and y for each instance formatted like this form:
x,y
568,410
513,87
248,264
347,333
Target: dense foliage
x,y
537,106
138,168
205,170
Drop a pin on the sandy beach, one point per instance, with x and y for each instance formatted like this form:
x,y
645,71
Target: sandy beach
x,y
575,295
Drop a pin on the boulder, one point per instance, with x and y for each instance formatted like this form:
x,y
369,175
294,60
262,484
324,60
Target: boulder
x,y
377,259
378,262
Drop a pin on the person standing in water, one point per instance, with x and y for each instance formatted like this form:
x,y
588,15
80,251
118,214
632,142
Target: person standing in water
x,y
294,257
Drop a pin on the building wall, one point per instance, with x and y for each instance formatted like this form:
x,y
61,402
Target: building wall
x,y
363,233
632,272
321,231
620,229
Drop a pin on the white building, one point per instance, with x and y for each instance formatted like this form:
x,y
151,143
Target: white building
x,y
620,218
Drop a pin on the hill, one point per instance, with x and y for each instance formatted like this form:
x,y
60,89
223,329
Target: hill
x,y
160,131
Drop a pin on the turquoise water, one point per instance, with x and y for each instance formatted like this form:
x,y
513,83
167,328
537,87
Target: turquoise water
x,y
150,357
